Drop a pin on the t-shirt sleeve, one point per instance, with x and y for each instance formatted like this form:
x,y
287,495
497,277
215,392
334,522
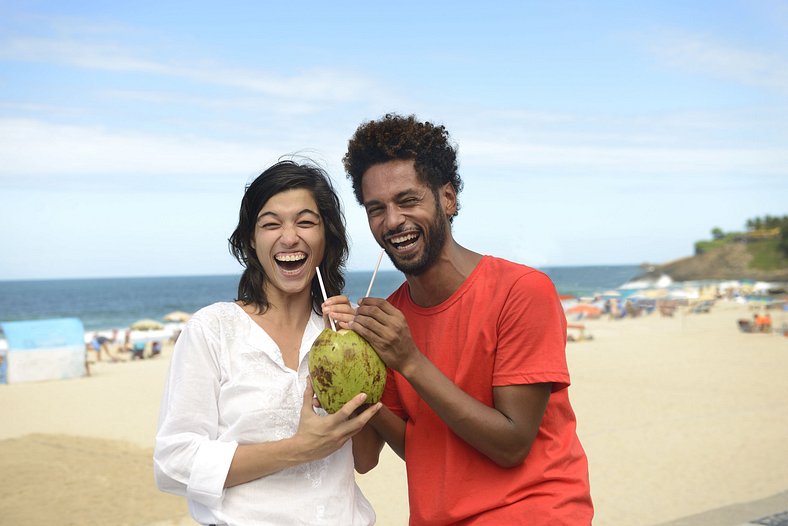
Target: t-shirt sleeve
x,y
532,335
391,395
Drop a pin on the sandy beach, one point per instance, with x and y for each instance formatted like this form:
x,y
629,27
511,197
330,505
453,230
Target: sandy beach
x,y
678,415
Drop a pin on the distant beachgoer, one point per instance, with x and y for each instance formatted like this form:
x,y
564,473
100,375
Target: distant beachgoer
x,y
138,351
238,435
613,309
762,322
127,346
630,309
477,401
101,345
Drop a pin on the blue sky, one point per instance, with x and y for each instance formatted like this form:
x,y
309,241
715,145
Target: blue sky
x,y
588,132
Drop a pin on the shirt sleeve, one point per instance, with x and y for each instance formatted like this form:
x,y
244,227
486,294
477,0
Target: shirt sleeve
x,y
390,396
532,335
188,458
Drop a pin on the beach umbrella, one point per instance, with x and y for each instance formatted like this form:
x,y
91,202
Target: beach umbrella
x,y
177,316
585,309
146,325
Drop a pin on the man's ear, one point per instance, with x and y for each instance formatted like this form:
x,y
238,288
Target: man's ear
x,y
448,199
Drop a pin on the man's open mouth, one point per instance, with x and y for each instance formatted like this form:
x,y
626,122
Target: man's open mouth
x,y
404,241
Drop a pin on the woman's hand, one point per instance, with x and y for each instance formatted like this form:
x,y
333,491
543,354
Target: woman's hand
x,y
319,436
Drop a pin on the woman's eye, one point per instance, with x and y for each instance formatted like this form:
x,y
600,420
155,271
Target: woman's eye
x,y
306,224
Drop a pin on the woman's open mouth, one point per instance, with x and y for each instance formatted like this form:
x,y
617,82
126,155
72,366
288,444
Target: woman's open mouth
x,y
290,262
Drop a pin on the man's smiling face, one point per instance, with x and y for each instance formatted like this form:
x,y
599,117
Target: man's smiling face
x,y
405,215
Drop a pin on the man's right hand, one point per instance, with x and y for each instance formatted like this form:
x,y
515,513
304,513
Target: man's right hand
x,y
386,329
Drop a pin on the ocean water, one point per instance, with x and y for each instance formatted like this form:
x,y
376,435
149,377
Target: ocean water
x,y
117,302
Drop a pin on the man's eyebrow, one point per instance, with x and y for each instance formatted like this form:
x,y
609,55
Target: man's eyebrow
x,y
405,193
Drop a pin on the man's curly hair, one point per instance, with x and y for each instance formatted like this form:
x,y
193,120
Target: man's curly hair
x,y
395,137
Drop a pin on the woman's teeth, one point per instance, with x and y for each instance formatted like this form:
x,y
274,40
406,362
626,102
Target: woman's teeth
x,y
290,263
290,257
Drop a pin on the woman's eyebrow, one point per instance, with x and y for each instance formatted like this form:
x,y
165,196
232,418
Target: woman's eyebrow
x,y
309,211
271,213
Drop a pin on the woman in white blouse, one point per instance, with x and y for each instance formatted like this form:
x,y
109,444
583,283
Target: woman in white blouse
x,y
238,435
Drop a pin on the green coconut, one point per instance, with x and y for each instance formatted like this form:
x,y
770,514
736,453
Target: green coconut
x,y
343,364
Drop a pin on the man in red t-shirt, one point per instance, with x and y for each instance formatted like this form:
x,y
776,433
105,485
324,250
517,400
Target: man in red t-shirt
x,y
476,400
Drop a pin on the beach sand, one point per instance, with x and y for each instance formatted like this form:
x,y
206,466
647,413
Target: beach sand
x,y
678,416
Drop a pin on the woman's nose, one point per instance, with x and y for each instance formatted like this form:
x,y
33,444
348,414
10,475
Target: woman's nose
x,y
289,235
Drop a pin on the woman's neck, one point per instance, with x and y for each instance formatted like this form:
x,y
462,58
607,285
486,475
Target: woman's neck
x,y
289,310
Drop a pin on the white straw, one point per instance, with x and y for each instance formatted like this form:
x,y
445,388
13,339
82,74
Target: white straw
x,y
375,273
323,290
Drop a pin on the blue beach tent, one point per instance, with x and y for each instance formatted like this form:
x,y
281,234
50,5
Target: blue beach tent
x,y
43,350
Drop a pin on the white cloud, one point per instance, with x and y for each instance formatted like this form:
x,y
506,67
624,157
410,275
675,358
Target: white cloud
x,y
612,160
669,144
316,85
703,54
92,55
33,147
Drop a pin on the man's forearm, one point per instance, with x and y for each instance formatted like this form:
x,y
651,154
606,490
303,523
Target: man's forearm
x,y
485,428
392,429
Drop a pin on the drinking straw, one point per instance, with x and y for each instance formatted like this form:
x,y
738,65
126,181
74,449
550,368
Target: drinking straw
x,y
323,290
375,273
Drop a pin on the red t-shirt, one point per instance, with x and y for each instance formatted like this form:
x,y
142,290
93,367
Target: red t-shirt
x,y
503,326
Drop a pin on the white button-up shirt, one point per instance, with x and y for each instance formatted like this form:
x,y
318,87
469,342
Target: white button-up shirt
x,y
227,385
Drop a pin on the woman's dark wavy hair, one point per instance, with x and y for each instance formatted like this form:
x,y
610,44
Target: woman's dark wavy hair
x,y
394,137
283,176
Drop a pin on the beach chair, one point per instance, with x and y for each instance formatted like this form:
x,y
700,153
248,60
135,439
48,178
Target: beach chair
x,y
702,307
745,325
138,351
580,334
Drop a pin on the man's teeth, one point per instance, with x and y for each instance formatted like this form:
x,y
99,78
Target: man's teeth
x,y
290,257
403,239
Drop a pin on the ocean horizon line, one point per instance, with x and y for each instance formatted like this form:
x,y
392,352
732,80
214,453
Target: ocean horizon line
x,y
238,274
116,302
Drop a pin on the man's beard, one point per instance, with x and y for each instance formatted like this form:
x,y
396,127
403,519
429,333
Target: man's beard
x,y
434,238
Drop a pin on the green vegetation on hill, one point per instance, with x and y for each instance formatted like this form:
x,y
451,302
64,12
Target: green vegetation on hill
x,y
768,254
766,240
760,252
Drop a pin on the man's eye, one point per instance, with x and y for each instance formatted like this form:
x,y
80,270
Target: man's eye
x,y
374,211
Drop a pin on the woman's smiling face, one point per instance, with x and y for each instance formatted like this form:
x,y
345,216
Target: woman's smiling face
x,y
289,240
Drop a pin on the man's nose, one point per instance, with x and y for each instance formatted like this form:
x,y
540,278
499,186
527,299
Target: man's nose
x,y
393,218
